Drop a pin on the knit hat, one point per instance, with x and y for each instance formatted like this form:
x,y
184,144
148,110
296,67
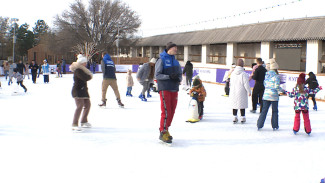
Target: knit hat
x,y
301,78
153,60
170,45
196,82
273,64
81,59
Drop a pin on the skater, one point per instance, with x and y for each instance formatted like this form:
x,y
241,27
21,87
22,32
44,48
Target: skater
x,y
58,68
129,83
33,67
39,70
271,95
145,76
227,80
19,78
6,67
12,66
168,73
312,84
21,67
239,91
300,92
80,92
258,90
46,71
188,71
108,68
26,70
199,89
63,66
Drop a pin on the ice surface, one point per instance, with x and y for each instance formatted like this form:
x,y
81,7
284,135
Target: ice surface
x,y
37,144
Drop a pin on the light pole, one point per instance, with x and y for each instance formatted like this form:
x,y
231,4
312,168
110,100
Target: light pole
x,y
117,43
14,20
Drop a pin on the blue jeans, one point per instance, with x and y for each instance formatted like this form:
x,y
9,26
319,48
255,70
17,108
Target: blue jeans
x,y
275,114
129,89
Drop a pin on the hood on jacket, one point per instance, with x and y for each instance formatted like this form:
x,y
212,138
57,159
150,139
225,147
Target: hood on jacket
x,y
188,63
164,54
107,58
312,75
270,74
238,70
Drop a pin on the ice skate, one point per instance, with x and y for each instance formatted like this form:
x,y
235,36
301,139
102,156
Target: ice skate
x,y
76,129
165,138
235,120
243,119
252,111
85,125
120,104
315,107
103,104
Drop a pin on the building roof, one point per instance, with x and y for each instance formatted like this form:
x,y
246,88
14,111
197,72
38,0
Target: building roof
x,y
284,30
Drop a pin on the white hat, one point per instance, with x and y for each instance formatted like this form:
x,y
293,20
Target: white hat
x,y
81,59
273,64
153,60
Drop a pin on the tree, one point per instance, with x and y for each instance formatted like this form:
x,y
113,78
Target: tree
x,y
4,26
25,40
98,25
40,29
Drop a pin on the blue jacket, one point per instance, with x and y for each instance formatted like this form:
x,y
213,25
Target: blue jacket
x,y
46,69
166,65
108,67
272,86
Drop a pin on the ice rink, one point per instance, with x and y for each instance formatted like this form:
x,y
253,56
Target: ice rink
x,y
38,146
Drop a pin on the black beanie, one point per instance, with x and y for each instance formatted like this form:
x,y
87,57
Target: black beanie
x,y
170,45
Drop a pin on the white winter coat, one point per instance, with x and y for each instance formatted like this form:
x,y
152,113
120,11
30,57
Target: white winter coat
x,y
239,88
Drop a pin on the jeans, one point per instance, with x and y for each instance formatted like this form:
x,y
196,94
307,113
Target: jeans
x,y
275,114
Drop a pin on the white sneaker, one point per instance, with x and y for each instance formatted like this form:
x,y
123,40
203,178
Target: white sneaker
x,y
86,125
235,119
243,119
76,129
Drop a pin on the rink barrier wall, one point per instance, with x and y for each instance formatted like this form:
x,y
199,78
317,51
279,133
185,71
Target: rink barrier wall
x,y
216,75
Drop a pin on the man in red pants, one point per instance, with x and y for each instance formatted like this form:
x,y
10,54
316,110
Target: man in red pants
x,y
168,73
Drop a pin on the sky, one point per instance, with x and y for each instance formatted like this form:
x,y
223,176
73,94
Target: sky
x,y
169,16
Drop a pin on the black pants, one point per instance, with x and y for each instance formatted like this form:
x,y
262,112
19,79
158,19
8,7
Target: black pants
x,y
257,96
313,98
34,74
21,84
227,87
46,78
242,112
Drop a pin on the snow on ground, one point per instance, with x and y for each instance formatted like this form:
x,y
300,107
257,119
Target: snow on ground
x,y
37,144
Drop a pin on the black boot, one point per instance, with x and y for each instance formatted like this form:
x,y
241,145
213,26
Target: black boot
x,y
120,103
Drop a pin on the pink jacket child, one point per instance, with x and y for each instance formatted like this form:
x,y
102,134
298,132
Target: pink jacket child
x,y
300,94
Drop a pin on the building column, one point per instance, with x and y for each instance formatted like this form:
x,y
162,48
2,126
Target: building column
x,y
142,51
205,54
313,55
187,52
231,52
161,49
266,51
150,52
133,52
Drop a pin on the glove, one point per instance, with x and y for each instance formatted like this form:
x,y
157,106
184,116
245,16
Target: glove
x,y
174,76
320,87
